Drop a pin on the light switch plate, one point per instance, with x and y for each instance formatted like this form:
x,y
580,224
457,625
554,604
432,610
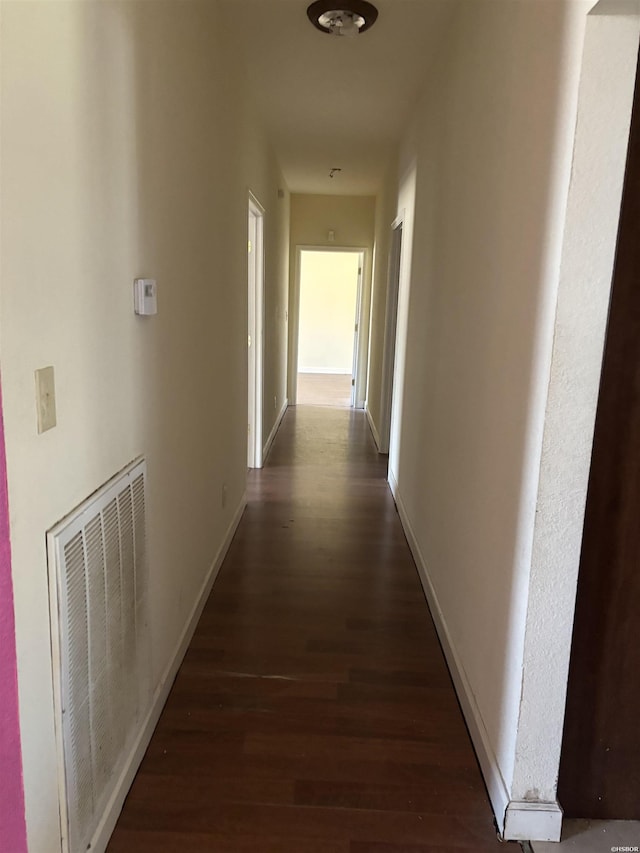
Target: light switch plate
x,y
45,398
145,296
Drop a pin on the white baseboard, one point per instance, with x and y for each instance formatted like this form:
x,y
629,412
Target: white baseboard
x,y
337,371
532,821
498,793
274,431
372,427
114,807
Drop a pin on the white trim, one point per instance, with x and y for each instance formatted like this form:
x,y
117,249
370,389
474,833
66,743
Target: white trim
x,y
393,488
528,820
390,330
372,427
496,786
358,388
337,371
294,332
106,826
273,433
255,354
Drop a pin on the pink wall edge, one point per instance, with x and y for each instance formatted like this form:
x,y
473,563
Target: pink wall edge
x,y
13,830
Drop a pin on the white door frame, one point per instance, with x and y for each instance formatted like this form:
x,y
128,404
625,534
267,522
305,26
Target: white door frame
x,y
255,329
356,335
390,332
295,320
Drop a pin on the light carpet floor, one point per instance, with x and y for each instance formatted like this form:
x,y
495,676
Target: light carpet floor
x,y
324,389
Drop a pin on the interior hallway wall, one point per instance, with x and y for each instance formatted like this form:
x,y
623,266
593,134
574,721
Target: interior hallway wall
x,y
261,174
386,212
484,176
124,155
352,219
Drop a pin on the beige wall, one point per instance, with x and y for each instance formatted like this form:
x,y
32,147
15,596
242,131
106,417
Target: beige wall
x,y
328,291
260,174
352,219
126,151
483,183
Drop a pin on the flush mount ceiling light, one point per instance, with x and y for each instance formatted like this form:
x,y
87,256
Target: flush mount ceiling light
x,y
353,18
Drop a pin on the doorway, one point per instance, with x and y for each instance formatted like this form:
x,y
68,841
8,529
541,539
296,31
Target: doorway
x,y
255,326
390,331
328,322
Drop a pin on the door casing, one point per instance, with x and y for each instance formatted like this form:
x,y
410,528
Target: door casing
x,y
255,332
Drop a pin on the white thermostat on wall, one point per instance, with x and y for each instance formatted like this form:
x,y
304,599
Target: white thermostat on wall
x,y
145,296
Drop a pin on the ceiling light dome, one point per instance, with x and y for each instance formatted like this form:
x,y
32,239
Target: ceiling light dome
x,y
354,17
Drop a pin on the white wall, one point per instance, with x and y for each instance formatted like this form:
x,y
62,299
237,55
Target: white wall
x,y
124,154
484,176
328,291
590,235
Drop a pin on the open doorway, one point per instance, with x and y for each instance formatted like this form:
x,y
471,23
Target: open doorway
x,y
255,324
390,332
329,290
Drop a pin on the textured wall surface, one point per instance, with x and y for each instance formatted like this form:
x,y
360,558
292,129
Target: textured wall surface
x,y
604,112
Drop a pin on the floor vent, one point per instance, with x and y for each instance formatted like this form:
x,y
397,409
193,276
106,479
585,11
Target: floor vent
x,y
101,653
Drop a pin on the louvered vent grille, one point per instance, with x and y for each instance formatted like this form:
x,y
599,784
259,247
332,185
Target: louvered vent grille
x,y
98,586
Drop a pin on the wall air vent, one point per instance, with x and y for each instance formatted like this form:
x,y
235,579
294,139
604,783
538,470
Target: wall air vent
x,y
100,641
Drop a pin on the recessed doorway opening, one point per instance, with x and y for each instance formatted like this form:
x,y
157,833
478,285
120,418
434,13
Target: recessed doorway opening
x,y
329,292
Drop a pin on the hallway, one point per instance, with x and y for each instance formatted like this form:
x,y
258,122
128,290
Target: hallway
x,y
313,712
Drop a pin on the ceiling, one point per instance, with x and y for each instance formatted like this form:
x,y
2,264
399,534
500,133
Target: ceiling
x,y
335,102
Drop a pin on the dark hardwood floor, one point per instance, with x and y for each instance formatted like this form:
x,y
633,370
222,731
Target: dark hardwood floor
x,y
313,712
